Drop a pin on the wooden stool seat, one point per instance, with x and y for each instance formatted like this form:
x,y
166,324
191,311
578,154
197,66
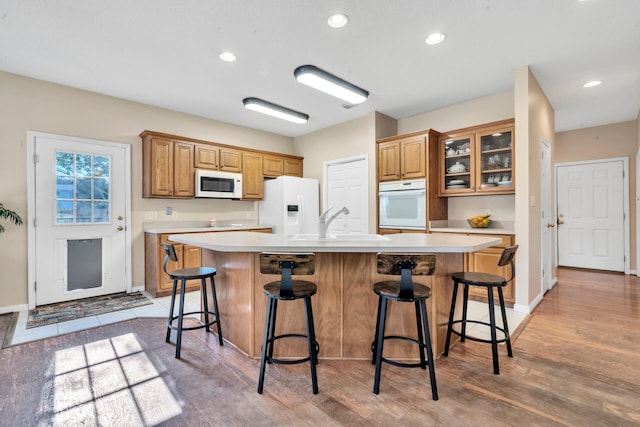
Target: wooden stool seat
x,y
489,281
182,275
404,290
288,289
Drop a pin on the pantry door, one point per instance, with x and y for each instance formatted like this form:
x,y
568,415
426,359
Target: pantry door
x,y
591,214
80,222
346,184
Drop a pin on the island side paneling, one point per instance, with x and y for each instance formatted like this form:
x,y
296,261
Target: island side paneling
x,y
344,308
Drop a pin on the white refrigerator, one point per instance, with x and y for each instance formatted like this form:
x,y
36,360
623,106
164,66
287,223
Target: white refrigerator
x,y
290,205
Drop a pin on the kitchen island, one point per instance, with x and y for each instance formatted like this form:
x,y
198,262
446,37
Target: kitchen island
x,y
345,305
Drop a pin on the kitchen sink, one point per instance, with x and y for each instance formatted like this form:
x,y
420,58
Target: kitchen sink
x,y
341,237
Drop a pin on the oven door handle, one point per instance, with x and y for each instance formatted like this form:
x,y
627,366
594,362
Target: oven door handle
x,y
402,193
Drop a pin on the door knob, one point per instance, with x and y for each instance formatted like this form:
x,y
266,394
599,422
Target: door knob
x,y
120,228
120,217
550,225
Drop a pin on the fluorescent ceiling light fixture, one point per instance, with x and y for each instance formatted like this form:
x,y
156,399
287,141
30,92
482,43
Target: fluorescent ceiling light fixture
x,y
328,83
275,110
227,56
496,134
593,83
435,38
338,20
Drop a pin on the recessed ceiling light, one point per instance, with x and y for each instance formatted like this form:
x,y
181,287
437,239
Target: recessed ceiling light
x,y
593,83
435,38
338,20
227,56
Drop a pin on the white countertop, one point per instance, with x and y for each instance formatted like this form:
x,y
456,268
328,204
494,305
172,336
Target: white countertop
x,y
164,228
461,226
262,242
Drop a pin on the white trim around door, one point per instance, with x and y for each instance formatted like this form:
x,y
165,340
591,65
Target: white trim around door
x,y
625,202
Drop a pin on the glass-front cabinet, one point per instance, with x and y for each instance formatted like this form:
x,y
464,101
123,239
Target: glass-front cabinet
x,y
458,166
478,160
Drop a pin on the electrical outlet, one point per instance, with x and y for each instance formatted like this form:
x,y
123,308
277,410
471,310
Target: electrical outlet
x,y
168,210
150,215
174,215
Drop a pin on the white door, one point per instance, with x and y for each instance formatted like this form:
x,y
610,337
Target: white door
x,y
591,215
80,224
346,184
546,221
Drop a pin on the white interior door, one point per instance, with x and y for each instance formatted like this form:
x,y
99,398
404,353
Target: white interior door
x,y
346,184
591,215
547,222
80,218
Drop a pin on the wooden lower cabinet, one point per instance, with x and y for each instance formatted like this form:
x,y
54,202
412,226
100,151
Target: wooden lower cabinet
x,y
486,261
156,282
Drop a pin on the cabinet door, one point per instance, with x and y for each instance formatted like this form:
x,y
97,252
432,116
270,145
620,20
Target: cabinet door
x,y
413,158
160,168
252,179
230,160
206,157
457,165
183,181
495,169
486,261
272,166
293,167
389,161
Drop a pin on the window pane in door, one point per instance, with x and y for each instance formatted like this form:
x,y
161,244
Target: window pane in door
x,y
100,212
83,188
100,189
64,212
83,212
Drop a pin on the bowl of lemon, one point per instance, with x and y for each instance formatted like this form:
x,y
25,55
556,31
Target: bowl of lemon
x,y
479,221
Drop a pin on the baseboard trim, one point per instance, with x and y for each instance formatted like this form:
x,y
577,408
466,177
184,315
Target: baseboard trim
x,y
13,308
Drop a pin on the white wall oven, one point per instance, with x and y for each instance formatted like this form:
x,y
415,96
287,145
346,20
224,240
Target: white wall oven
x,y
218,185
403,204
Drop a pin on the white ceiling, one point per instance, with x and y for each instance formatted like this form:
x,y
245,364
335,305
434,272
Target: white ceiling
x,y
165,53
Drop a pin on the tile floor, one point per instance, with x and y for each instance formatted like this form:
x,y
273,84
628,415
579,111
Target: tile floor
x,y
160,308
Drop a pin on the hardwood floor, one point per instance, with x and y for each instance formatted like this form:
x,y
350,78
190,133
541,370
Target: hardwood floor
x,y
575,364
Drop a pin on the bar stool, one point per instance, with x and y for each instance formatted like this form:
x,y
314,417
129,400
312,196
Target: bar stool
x,y
489,281
288,289
404,291
183,275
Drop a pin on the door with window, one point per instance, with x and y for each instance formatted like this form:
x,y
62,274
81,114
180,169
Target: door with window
x,y
80,218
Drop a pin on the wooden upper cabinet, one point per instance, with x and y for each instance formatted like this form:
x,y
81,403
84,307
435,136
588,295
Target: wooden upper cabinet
x,y
218,158
230,160
404,158
252,178
272,166
206,157
183,171
478,160
293,167
167,168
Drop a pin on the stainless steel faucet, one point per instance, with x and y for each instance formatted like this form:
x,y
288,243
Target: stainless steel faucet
x,y
324,221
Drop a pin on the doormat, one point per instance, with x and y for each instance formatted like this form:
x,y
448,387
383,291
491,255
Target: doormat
x,y
69,310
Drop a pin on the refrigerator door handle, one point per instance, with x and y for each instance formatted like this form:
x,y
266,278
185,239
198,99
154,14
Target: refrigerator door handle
x,y
300,213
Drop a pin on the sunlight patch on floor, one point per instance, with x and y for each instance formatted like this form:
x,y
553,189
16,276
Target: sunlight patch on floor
x,y
107,382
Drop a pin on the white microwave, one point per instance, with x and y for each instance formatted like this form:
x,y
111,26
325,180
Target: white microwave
x,y
218,185
403,204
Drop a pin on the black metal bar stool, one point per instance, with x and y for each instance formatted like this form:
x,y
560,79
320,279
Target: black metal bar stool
x,y
491,282
404,291
183,275
288,289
